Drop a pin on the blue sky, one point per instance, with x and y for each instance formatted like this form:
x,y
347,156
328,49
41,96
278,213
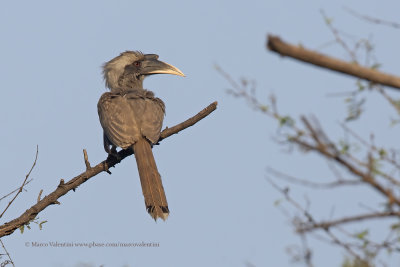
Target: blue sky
x,y
222,211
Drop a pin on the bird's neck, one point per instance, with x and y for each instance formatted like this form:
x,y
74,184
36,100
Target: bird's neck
x,y
128,83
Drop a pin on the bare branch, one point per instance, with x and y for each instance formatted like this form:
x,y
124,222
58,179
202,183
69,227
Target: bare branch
x,y
372,19
23,184
330,152
8,254
375,149
328,224
275,44
189,122
395,104
338,39
27,182
64,187
308,183
310,219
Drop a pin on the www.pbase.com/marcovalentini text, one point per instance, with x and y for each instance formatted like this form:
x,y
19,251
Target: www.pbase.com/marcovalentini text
x,y
93,244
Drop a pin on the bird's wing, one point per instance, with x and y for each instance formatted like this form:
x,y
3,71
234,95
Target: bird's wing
x,y
151,112
115,114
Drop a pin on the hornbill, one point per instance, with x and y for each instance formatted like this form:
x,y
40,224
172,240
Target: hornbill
x,y
132,117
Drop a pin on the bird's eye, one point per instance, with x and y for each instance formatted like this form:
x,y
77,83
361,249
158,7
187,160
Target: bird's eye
x,y
137,63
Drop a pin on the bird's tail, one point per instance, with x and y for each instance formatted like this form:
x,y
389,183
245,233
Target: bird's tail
x,y
153,190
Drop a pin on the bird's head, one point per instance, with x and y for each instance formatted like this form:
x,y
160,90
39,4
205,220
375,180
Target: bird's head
x,y
128,70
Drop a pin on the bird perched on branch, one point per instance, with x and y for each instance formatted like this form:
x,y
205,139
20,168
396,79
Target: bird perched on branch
x,y
132,117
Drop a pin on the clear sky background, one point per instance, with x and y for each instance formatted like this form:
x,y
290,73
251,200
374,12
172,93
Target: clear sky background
x,y
222,211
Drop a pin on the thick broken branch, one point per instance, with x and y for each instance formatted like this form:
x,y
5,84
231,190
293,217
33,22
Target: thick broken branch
x,y
275,44
64,187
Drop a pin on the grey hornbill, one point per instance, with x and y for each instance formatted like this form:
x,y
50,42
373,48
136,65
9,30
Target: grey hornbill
x,y
132,117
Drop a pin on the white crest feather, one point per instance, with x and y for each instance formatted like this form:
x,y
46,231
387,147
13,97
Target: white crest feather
x,y
114,68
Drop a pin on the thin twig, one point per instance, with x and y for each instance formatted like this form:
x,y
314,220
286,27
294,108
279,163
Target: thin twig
x,y
308,183
8,254
23,184
189,122
310,219
376,150
395,104
373,20
339,40
27,182
351,219
336,156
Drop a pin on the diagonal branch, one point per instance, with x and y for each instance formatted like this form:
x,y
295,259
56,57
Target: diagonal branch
x,y
12,192
64,187
373,19
275,44
8,255
311,184
307,227
330,152
310,219
167,132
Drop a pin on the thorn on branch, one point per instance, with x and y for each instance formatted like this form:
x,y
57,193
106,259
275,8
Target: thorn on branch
x,y
87,163
39,196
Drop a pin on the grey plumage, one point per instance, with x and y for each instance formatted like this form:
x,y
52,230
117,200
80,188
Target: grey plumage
x,y
132,117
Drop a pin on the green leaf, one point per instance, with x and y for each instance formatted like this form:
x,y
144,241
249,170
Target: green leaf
x,y
361,235
346,263
360,86
286,120
328,20
41,223
382,152
21,228
376,66
395,226
344,147
263,108
277,202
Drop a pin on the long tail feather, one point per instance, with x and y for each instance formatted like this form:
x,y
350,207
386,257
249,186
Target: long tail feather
x,y
153,190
